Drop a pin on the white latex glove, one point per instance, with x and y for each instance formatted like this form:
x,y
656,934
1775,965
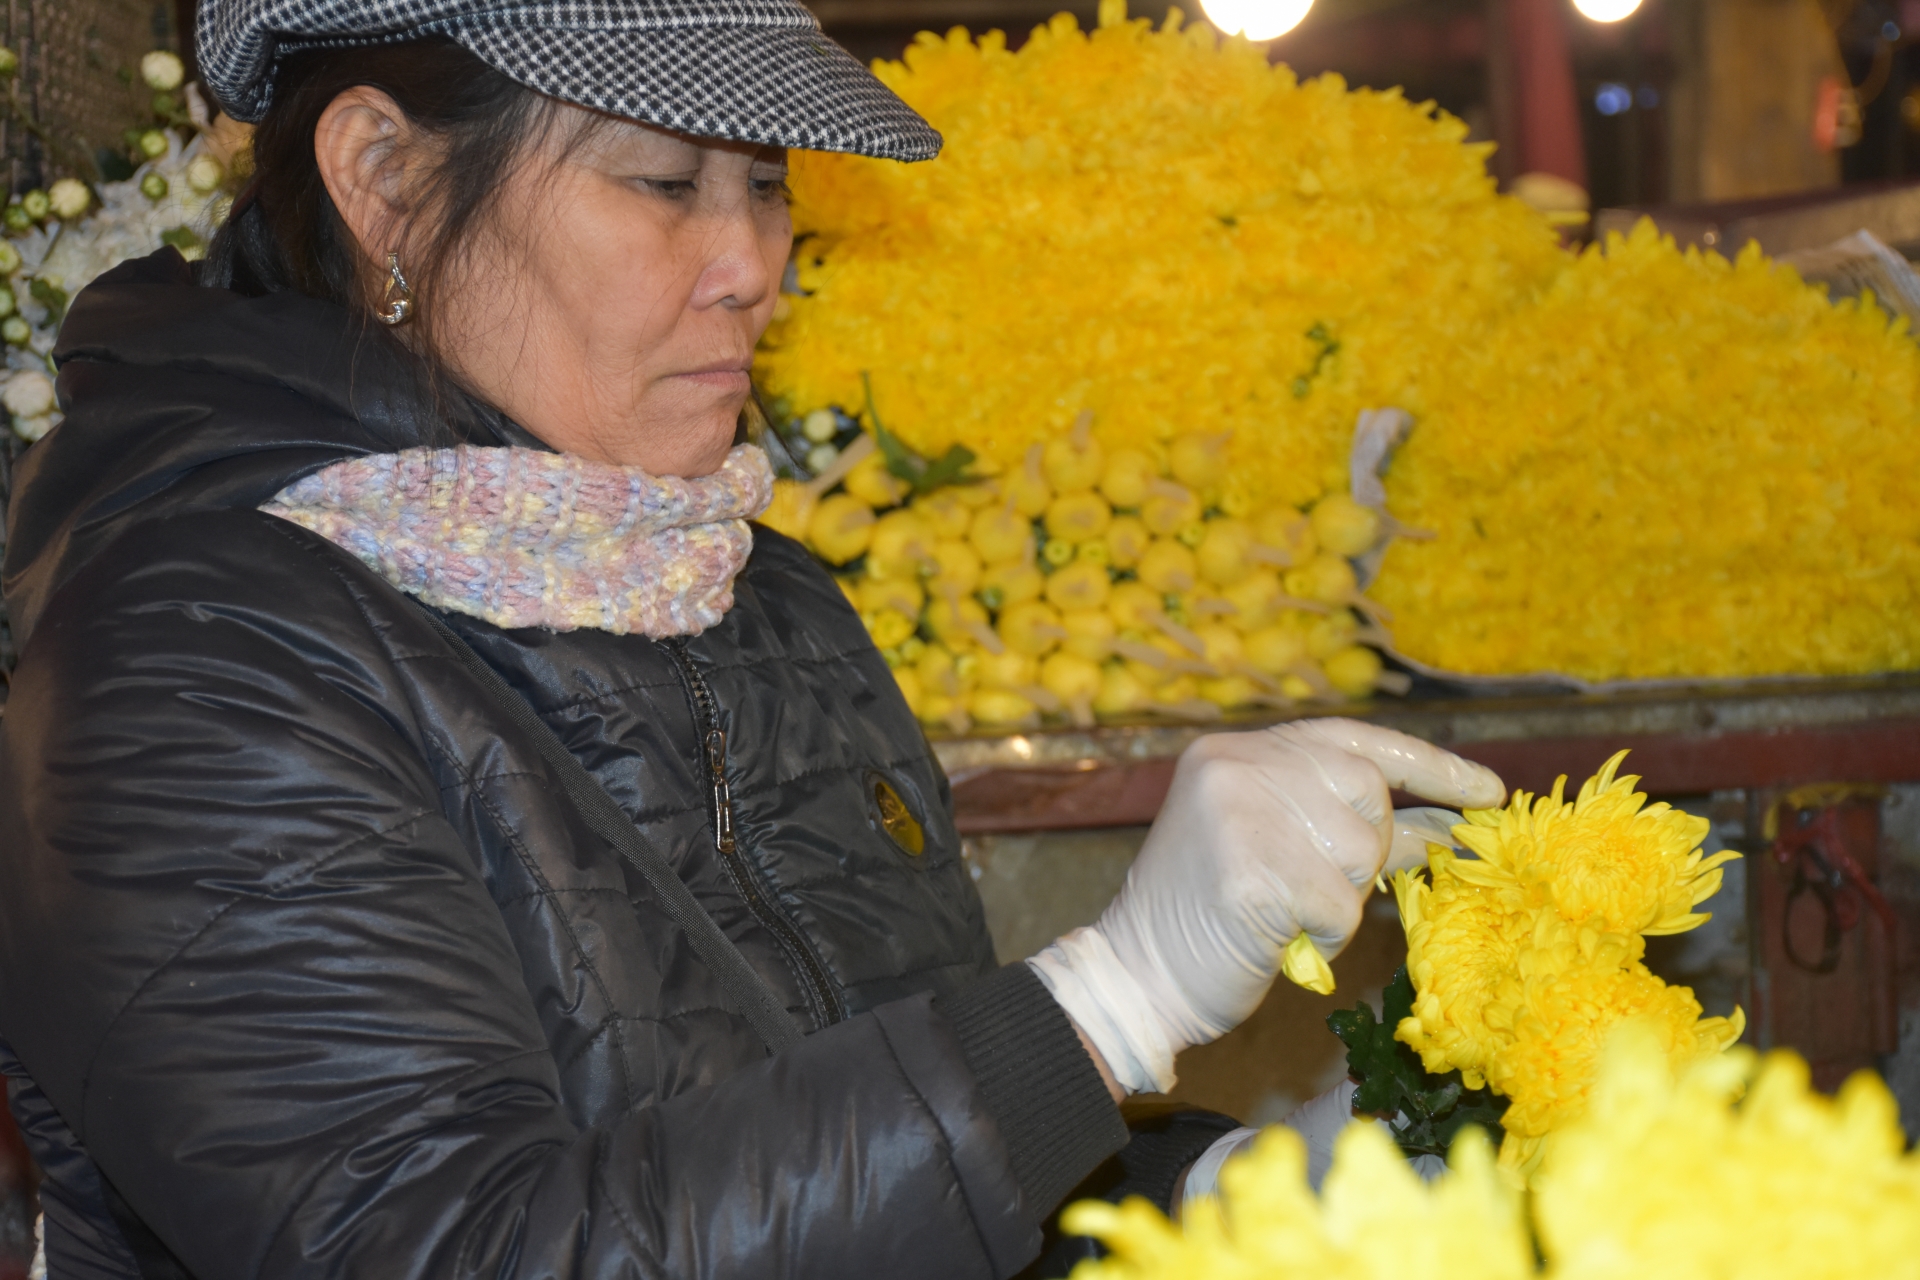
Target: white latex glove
x,y
1263,835
1318,1121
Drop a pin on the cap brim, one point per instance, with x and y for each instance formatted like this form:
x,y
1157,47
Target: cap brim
x,y
784,86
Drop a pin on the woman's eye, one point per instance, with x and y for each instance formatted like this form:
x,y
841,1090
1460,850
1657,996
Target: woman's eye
x,y
772,189
673,188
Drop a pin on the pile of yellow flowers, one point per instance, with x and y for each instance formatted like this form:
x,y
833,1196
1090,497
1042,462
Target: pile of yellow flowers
x,y
1090,582
1525,957
1640,463
1721,457
1730,1166
1156,227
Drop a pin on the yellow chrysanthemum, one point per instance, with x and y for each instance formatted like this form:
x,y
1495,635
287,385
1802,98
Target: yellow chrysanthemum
x,y
1694,1181
1571,1005
1463,946
1161,228
1526,956
1730,1166
1604,861
1375,1220
1669,465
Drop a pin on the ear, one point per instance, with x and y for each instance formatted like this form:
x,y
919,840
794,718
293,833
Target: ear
x,y
359,145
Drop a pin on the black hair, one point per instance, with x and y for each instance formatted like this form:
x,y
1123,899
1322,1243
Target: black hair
x,y
284,233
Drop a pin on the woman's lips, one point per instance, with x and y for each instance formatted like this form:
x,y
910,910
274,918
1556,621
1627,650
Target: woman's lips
x,y
722,377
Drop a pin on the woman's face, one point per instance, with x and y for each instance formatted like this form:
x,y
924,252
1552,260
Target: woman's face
x,y
613,303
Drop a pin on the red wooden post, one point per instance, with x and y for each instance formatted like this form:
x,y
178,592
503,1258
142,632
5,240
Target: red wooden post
x,y
1535,104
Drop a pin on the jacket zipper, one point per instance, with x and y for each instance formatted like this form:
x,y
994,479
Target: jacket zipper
x,y
820,990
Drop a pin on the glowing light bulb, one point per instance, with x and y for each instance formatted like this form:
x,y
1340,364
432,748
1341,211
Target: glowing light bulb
x,y
1259,20
1606,10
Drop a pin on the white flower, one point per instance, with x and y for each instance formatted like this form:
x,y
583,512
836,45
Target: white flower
x,y
31,429
69,198
204,174
162,71
28,394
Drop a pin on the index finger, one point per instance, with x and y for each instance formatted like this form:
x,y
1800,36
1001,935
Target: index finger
x,y
1411,765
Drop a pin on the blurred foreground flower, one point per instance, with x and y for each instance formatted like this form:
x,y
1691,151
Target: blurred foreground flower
x,y
1732,1168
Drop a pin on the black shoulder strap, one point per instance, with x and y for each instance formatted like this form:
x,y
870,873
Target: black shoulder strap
x,y
748,992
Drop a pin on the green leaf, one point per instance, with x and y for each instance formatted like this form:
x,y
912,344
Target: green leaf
x,y
1426,1111
925,477
51,296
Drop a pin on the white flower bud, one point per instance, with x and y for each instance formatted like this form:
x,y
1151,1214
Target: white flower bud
x,y
9,258
204,174
31,429
820,426
820,457
162,71
68,199
28,394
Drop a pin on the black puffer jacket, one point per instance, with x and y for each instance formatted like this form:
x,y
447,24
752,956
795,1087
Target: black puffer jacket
x,y
307,968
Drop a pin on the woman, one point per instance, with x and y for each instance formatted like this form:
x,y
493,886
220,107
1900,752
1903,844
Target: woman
x,y
433,844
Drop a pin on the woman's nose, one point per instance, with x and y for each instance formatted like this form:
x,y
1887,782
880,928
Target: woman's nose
x,y
734,270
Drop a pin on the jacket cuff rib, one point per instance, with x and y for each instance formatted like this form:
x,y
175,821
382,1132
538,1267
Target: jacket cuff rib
x,y
1052,1107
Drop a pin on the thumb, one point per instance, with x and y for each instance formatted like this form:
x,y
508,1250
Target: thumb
x,y
1413,831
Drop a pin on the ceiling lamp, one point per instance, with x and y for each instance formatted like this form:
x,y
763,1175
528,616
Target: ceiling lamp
x,y
1258,20
1606,10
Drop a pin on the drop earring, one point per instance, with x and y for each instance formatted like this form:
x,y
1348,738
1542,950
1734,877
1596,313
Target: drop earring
x,y
399,295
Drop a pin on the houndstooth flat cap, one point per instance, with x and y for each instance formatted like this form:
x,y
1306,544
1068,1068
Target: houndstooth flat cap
x,y
749,70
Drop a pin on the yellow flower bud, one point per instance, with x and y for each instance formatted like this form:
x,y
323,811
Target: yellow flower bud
x,y
873,484
1354,671
1127,540
953,619
1344,527
1127,476
1275,649
956,566
1121,692
1005,585
1222,553
1032,627
1070,468
1027,488
1168,507
902,541
840,528
791,509
887,627
1253,599
910,688
935,668
1078,517
901,595
1008,670
1325,577
944,512
1134,606
1080,585
1285,529
1090,633
1228,692
1071,678
1002,708
1199,461
1328,635
1168,566
1000,535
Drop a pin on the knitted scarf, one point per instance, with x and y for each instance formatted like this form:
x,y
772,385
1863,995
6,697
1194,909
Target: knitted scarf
x,y
524,538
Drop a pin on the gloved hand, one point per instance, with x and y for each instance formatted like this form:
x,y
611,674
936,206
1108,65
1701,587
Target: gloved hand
x,y
1319,1122
1263,835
